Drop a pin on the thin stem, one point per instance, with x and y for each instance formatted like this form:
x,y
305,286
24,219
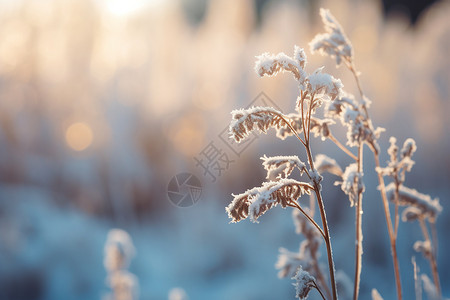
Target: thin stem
x,y
342,147
291,128
323,215
327,241
320,292
295,204
392,235
359,235
387,214
432,258
319,275
396,215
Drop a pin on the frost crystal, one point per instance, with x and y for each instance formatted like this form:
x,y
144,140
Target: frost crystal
x,y
333,43
352,183
304,283
428,207
282,166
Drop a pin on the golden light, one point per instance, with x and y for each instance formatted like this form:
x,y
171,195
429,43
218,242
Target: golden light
x,y
79,136
123,8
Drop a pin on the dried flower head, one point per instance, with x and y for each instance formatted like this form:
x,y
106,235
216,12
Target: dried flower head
x,y
255,202
304,282
178,294
244,121
352,183
124,285
282,166
271,64
119,250
423,247
334,42
411,214
430,208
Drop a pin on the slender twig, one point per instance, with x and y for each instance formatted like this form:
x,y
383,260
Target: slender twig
x,y
431,258
387,214
291,128
382,187
359,236
321,205
319,274
396,214
295,204
342,147
317,288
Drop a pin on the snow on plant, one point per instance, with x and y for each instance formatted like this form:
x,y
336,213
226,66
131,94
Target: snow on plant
x,y
178,294
321,90
119,250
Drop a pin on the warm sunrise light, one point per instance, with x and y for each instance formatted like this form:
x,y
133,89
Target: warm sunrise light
x,y
79,136
127,7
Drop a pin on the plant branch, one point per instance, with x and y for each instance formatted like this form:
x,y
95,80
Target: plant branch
x,y
359,235
317,288
296,205
387,214
342,147
432,258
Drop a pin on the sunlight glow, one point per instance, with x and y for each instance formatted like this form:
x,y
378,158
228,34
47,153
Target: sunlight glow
x,y
122,8
79,136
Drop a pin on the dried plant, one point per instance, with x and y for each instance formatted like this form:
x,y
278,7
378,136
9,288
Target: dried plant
x,y
322,90
119,250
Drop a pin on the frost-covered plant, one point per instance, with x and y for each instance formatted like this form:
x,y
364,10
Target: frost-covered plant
x,y
419,207
178,294
319,89
315,89
119,250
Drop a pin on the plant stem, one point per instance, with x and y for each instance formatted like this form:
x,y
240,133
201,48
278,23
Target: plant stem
x,y
327,241
323,216
294,204
432,258
320,292
387,214
342,147
359,235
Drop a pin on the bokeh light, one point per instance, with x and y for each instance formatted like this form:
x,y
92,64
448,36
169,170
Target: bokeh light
x,y
79,136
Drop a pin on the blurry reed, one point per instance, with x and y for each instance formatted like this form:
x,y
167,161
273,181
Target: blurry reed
x,y
321,90
119,250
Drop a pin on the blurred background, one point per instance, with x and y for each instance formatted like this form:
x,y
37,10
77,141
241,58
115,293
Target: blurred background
x,y
102,102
